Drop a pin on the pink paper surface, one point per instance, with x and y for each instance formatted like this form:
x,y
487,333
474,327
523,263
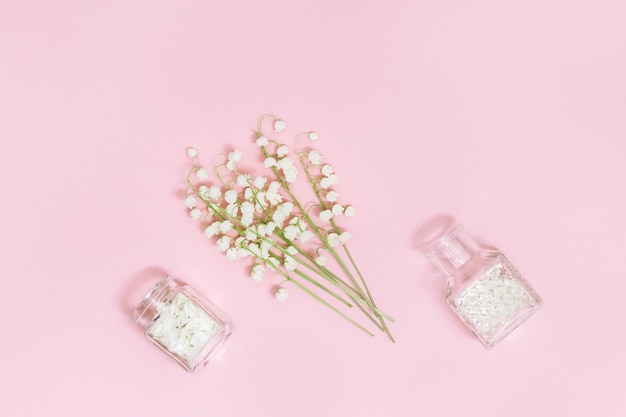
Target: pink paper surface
x,y
509,117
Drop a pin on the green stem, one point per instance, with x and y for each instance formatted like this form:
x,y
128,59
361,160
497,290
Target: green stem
x,y
312,294
371,302
323,288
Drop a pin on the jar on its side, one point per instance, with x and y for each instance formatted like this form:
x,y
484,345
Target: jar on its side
x,y
181,322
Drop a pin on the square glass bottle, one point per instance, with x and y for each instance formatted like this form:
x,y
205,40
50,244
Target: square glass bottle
x,y
182,323
484,289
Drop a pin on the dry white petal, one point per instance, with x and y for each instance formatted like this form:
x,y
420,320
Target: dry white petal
x,y
202,174
350,211
184,328
282,294
262,141
314,136
279,125
327,170
192,152
195,214
190,201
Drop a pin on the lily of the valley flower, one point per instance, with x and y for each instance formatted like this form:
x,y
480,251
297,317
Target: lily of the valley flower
x,y
326,215
257,273
190,201
281,295
279,125
195,214
192,152
349,211
202,174
332,196
314,157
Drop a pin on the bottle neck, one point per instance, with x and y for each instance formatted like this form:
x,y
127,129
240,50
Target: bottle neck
x,y
452,250
159,297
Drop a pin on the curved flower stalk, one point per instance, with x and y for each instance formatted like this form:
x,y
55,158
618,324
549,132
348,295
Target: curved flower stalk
x,y
258,218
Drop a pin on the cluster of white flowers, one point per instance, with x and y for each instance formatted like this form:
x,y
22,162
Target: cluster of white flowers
x,y
258,217
250,217
283,163
245,217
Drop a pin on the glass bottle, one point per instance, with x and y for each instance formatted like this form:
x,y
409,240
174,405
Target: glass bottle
x,y
484,289
182,323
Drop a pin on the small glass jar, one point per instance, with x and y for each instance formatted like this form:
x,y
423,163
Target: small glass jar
x,y
182,323
484,289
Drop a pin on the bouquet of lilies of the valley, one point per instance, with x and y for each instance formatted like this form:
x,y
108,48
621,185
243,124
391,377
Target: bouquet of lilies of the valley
x,y
259,218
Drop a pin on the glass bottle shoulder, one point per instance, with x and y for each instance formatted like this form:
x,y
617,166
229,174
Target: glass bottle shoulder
x,y
479,263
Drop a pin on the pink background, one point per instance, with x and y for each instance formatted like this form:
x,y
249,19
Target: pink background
x,y
507,116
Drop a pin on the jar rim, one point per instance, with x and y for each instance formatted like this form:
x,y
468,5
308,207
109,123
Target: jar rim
x,y
146,303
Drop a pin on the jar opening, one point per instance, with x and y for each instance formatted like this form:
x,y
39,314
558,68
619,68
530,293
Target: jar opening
x,y
148,311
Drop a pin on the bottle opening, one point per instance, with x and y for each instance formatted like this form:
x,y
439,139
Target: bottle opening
x,y
452,250
148,310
